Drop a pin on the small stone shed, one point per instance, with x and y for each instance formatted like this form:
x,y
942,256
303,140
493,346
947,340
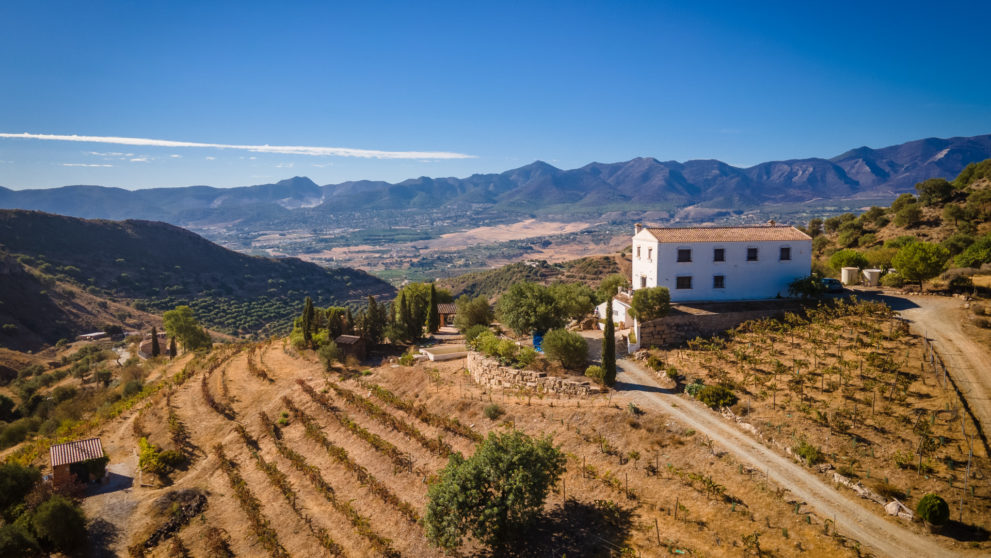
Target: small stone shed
x,y
447,310
82,460
352,345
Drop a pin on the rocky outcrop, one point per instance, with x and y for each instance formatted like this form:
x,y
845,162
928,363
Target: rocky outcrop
x,y
489,372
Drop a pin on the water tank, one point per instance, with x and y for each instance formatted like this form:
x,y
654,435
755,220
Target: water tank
x,y
871,277
850,275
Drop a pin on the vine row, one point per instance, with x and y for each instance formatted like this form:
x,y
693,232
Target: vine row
x,y
340,455
249,503
224,409
420,411
399,459
358,521
254,368
435,445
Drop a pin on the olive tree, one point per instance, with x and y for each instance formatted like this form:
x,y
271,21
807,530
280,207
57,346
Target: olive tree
x,y
920,261
651,303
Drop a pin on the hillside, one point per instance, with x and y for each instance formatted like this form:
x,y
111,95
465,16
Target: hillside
x,y
156,266
493,282
956,215
640,184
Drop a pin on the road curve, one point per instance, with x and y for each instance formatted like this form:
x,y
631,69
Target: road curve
x,y
885,537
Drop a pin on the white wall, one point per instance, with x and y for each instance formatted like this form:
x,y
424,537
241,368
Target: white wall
x,y
620,314
765,278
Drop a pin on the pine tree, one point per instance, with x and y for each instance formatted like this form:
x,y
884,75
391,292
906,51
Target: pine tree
x,y
374,321
609,347
307,324
433,317
349,325
155,349
172,349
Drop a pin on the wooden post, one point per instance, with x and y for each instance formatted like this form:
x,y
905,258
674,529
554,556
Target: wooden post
x,y
627,486
657,531
676,503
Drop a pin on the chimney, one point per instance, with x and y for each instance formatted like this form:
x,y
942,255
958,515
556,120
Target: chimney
x,y
637,228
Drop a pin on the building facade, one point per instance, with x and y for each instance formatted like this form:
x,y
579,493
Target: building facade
x,y
720,263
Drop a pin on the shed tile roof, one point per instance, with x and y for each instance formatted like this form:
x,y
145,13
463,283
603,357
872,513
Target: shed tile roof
x,y
347,339
754,233
447,308
74,452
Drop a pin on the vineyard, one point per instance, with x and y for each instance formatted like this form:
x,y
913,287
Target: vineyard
x,y
298,462
850,392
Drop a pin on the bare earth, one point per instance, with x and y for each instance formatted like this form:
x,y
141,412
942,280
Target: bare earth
x,y
852,519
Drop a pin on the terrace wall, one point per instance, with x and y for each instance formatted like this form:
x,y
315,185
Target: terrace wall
x,y
489,372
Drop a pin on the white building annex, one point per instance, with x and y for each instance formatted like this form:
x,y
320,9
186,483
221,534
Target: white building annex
x,y
720,263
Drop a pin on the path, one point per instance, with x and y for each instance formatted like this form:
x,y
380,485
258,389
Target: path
x,y
852,519
969,363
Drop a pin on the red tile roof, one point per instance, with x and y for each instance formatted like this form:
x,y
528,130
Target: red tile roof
x,y
447,308
754,233
74,452
347,339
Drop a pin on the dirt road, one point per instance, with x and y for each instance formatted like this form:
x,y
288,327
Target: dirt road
x,y
886,537
969,363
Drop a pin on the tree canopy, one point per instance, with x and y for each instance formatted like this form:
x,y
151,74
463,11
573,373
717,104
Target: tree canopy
x,y
847,258
920,261
181,324
472,312
610,285
495,493
528,307
934,191
651,303
574,299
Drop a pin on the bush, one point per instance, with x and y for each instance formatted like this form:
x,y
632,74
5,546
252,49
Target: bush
x,y
655,363
493,411
570,349
526,357
933,509
847,258
60,523
892,280
330,354
16,540
811,454
133,387
596,373
672,373
474,331
651,303
407,359
694,388
888,491
16,481
716,396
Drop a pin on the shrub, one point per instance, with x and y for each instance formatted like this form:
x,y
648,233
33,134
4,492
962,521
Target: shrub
x,y
16,540
60,523
526,357
16,481
847,258
474,331
694,388
133,387
596,373
651,303
811,454
672,373
716,396
407,359
933,509
506,351
570,349
493,411
888,491
893,280
330,354
655,363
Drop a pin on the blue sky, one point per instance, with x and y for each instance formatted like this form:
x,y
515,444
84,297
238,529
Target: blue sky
x,y
422,84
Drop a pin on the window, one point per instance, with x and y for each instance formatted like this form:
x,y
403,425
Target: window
x,y
683,282
650,254
638,252
643,281
751,254
684,254
718,281
785,253
719,255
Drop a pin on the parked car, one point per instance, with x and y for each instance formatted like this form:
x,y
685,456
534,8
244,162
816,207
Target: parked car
x,y
832,285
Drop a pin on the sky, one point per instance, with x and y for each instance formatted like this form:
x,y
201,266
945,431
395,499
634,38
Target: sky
x,y
239,93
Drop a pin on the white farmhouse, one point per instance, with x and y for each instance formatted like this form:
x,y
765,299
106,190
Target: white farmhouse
x,y
720,263
621,317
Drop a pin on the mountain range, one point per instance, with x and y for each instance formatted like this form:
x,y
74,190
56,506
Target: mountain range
x,y
642,183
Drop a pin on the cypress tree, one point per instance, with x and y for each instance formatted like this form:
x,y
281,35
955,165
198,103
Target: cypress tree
x,y
375,323
406,321
172,350
307,323
609,347
349,326
155,349
433,317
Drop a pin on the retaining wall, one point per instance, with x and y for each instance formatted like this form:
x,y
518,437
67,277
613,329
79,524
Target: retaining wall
x,y
489,372
676,328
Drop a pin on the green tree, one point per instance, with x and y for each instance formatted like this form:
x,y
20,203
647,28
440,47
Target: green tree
x,y
60,523
809,287
494,494
920,261
17,540
373,325
307,323
650,303
433,317
329,355
908,216
902,201
527,307
815,227
847,258
6,408
172,351
610,285
609,347
155,349
933,509
574,299
934,191
181,324
570,349
956,213
472,312
977,254
16,481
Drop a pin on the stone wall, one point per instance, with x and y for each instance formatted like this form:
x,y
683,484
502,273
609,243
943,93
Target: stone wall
x,y
675,329
489,372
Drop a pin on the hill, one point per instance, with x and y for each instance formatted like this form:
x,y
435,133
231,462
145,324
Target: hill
x,y
539,188
491,283
155,266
